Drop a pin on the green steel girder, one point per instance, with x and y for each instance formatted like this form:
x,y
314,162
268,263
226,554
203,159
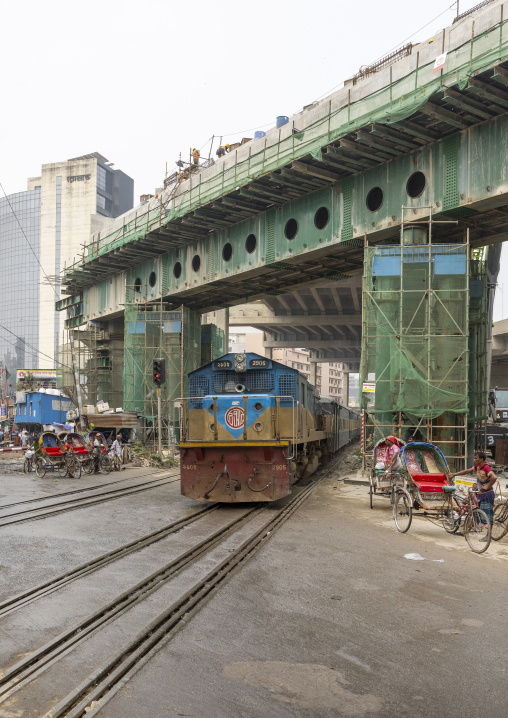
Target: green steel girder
x,y
465,178
414,106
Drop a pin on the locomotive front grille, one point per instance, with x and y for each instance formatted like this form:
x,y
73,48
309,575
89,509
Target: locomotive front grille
x,y
262,381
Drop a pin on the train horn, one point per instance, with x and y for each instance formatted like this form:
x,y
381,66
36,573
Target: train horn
x,y
240,388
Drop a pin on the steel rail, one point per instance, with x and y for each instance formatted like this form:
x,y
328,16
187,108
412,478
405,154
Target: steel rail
x,y
54,509
97,689
78,491
43,589
102,684
30,667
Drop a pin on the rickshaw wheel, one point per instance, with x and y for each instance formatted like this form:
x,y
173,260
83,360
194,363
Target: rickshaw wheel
x,y
40,468
371,495
88,466
451,521
477,531
75,469
105,464
62,469
500,525
402,511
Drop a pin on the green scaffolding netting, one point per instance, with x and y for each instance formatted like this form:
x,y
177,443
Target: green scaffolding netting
x,y
392,103
153,332
416,330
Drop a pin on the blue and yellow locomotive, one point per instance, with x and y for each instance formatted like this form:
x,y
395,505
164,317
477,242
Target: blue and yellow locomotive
x,y
252,427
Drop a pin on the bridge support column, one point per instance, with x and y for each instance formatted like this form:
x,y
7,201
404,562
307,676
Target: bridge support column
x,y
345,388
222,321
313,367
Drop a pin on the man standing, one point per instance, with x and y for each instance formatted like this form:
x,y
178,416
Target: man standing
x,y
394,462
485,480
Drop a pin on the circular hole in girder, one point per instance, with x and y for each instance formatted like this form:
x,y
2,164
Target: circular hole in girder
x,y
177,270
416,184
227,252
375,199
321,217
250,243
137,285
196,262
291,228
152,279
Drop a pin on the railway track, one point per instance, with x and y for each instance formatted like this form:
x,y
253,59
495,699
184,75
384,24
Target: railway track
x,y
43,589
40,512
80,491
23,679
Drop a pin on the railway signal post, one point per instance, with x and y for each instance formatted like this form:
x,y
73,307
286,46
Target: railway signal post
x,y
159,377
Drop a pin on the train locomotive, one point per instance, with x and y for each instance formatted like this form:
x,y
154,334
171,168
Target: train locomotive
x,y
252,427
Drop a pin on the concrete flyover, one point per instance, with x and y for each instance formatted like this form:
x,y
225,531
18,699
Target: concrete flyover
x,y
285,219
326,320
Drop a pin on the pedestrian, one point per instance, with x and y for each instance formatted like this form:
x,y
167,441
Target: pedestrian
x,y
392,456
485,480
1,435
24,437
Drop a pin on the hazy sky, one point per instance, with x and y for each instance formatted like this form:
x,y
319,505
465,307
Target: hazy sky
x,y
141,83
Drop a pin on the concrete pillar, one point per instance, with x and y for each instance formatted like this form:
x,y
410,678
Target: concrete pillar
x,y
313,367
222,321
345,388
267,350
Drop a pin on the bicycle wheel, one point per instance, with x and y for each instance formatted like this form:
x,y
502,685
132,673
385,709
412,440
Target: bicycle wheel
x,y
117,463
87,466
105,464
371,492
75,468
451,520
61,468
402,511
500,524
27,466
477,531
40,468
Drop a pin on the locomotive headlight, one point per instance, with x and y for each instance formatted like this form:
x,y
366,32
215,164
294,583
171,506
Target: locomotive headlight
x,y
240,362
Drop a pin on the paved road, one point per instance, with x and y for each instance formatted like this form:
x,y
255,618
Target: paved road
x,y
331,618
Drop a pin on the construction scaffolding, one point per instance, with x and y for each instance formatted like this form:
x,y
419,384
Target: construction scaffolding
x,y
92,351
153,331
423,368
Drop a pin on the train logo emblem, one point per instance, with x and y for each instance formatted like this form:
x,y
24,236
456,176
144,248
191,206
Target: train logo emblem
x,y
234,417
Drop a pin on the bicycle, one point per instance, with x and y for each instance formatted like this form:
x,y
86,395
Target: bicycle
x,y
70,466
500,521
116,461
467,514
29,463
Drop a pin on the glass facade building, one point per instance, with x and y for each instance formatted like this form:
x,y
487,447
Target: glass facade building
x,y
20,222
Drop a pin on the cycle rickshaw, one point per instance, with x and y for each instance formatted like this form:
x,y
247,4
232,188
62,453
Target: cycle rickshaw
x,y
52,457
427,488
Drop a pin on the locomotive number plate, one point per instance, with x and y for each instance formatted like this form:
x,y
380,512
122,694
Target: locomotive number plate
x,y
259,363
189,466
223,364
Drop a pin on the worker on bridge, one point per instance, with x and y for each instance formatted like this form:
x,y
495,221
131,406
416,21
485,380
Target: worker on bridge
x,y
222,150
195,156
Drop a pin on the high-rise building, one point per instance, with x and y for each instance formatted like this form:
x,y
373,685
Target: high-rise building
x,y
41,231
20,217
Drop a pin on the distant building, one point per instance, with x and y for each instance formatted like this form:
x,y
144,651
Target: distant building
x,y
41,231
329,376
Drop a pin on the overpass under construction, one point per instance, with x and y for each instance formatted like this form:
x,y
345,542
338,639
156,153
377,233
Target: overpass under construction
x,y
288,220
